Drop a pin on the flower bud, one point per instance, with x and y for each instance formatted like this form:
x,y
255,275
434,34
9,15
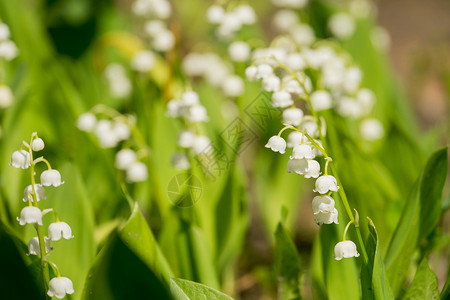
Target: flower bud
x,y
37,144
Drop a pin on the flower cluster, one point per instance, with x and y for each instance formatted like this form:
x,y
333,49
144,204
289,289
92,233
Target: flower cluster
x,y
32,214
305,78
113,130
8,51
154,13
230,19
191,112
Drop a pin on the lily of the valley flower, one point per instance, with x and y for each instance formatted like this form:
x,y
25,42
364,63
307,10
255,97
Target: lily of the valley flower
x,y
51,177
303,151
277,144
137,172
30,215
59,287
37,144
33,246
124,158
59,229
345,249
38,188
20,159
326,183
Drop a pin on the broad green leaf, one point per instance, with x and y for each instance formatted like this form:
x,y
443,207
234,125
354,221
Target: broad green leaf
x,y
18,281
420,216
374,282
139,238
188,290
75,256
118,274
424,285
287,265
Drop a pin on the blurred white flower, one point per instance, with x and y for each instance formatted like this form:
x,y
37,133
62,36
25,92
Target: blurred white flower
x,y
164,40
371,129
186,139
297,4
321,100
342,25
246,14
295,138
298,166
215,14
137,172
8,50
251,73
4,32
282,99
189,98
239,51
233,86
86,122
202,145
197,113
285,19
6,96
180,161
124,158
143,61
345,249
380,38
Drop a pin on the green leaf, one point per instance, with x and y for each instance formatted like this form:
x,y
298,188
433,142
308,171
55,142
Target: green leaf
x,y
287,265
119,274
420,216
374,282
424,285
139,238
16,273
188,290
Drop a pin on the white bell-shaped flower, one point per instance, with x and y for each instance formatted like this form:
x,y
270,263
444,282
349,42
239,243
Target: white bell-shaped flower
x,y
282,99
264,70
164,40
59,229
298,166
137,172
202,145
295,138
37,144
86,122
4,32
313,169
322,204
302,151
51,177
345,249
30,215
321,100
342,25
124,158
40,192
180,161
316,150
326,217
59,287
186,139
189,98
292,116
20,159
33,246
271,83
277,144
326,183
